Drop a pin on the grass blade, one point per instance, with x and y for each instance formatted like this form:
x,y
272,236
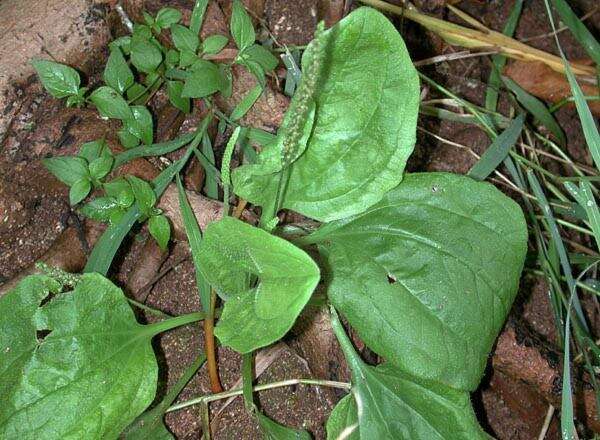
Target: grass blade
x,y
558,243
157,149
211,186
498,61
585,197
194,236
578,29
590,130
498,150
537,109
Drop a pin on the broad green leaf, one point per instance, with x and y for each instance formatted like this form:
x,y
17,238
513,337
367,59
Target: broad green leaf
x,y
67,169
167,17
184,39
110,104
59,80
262,56
88,378
160,229
498,150
174,90
275,431
145,56
234,254
246,103
79,191
143,192
198,15
101,166
117,73
214,44
436,263
91,151
342,423
204,79
360,78
397,406
241,26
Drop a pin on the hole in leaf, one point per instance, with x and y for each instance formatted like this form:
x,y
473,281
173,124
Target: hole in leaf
x,y
391,278
41,335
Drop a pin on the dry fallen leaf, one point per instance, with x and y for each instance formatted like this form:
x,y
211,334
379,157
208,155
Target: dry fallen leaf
x,y
541,81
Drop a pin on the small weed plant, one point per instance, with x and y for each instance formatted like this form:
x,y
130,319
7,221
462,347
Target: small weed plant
x,y
423,266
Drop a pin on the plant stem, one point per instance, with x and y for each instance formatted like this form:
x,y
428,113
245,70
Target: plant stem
x,y
268,386
247,376
171,323
209,346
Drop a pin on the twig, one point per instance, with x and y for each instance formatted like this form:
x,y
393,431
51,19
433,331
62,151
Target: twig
x,y
547,421
269,386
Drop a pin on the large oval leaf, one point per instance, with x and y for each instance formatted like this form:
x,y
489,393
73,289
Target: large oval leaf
x,y
88,378
234,255
358,124
428,275
397,406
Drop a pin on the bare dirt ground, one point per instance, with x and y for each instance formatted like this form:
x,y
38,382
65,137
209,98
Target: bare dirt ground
x,y
34,212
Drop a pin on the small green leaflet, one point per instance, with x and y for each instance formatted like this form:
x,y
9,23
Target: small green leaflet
x,y
59,80
110,104
167,17
140,125
184,39
79,191
143,192
145,56
117,73
205,79
91,151
160,229
67,169
353,151
100,167
214,44
88,378
437,265
241,26
174,90
258,54
234,254
397,406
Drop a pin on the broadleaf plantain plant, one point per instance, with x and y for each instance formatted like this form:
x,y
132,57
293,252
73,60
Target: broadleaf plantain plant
x,y
424,266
